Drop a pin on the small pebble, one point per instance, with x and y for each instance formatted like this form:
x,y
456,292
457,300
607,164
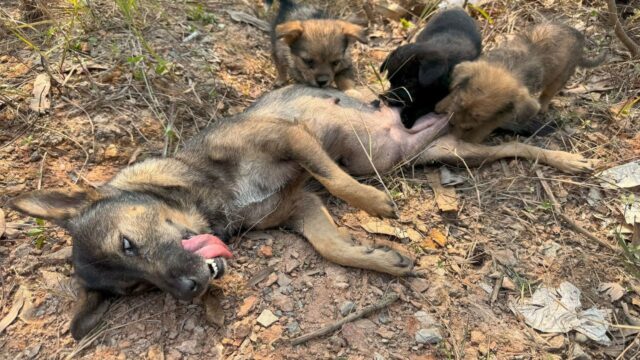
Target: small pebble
x,y
428,336
347,307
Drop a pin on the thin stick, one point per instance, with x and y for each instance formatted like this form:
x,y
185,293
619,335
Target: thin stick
x,y
388,300
41,172
614,21
570,222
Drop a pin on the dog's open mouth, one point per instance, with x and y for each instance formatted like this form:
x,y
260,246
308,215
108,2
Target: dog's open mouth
x,y
212,249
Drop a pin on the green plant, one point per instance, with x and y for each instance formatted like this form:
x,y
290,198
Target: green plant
x,y
198,13
37,234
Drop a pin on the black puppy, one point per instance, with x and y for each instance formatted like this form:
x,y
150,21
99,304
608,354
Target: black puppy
x,y
419,72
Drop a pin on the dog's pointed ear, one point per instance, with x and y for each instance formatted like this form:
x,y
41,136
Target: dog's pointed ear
x,y
289,31
55,205
461,74
431,71
527,106
354,32
89,311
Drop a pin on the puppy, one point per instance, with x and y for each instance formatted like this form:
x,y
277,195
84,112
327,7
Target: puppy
x,y
312,48
419,72
498,89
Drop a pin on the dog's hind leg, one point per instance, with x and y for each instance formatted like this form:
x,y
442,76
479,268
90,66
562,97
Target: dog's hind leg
x,y
305,149
314,222
449,149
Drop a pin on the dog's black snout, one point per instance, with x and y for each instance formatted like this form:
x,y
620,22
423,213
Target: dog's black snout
x,y
188,285
322,80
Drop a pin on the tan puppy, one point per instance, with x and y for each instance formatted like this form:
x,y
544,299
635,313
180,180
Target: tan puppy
x,y
313,49
498,89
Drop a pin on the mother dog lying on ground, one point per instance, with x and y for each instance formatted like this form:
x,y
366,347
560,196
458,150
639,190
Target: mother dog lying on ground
x,y
249,171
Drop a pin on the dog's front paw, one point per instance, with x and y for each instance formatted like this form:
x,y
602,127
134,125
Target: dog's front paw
x,y
378,203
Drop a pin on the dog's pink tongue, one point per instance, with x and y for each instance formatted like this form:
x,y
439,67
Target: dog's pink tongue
x,y
207,246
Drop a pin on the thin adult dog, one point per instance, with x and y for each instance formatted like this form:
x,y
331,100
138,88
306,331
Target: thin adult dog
x,y
150,223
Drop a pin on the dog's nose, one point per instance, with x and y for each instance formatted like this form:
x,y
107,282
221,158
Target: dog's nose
x,y
322,80
188,285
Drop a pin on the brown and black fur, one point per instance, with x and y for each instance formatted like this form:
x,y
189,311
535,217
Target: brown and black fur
x,y
312,48
500,88
419,72
249,172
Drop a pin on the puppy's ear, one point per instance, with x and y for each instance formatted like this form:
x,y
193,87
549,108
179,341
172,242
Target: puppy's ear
x,y
526,106
89,311
55,205
353,32
289,31
461,75
431,71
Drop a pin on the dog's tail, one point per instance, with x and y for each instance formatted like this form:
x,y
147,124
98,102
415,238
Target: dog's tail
x,y
590,63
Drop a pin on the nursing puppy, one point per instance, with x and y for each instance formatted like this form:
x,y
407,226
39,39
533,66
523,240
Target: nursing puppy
x,y
312,48
498,89
419,72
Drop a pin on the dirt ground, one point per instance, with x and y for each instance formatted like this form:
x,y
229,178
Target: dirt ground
x,y
129,83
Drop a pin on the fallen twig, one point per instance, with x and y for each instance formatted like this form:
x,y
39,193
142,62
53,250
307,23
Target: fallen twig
x,y
614,21
388,300
567,220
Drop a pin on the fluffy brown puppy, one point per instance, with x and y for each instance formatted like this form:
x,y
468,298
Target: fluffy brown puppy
x,y
312,48
498,89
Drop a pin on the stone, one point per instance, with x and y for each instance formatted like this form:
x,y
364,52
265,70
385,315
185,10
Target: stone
x,y
477,337
283,280
283,302
385,333
425,319
111,151
347,307
273,277
155,353
266,318
266,251
293,327
428,336
355,336
190,347
247,305
578,354
377,356
341,285
384,317
419,285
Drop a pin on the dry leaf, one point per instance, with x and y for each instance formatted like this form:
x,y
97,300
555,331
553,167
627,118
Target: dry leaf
x,y
18,302
380,227
438,237
614,290
446,198
40,102
247,305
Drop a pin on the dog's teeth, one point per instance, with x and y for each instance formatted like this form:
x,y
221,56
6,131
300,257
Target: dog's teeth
x,y
216,267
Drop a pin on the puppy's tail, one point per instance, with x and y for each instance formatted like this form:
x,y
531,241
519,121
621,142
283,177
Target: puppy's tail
x,y
590,63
